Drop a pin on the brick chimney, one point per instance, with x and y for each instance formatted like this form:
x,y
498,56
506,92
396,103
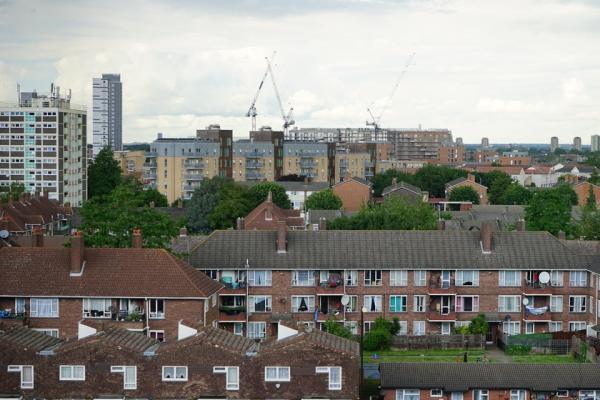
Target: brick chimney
x,y
322,224
394,182
151,204
471,177
77,253
562,235
281,237
183,231
37,237
486,237
239,224
441,225
520,226
136,241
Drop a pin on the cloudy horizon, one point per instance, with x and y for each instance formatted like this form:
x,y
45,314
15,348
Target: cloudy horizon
x,y
516,71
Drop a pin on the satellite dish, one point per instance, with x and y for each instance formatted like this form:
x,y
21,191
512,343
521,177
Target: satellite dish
x,y
544,277
3,234
525,301
345,300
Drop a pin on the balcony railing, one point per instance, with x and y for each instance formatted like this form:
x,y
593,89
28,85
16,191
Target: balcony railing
x,y
192,164
190,188
254,165
254,176
255,154
233,284
193,177
150,175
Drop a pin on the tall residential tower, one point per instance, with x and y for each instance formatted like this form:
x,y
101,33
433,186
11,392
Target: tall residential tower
x,y
107,113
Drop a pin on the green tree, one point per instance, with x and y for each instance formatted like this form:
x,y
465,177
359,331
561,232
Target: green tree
x,y
433,178
383,180
395,213
336,328
204,200
479,325
498,187
590,203
549,210
464,193
567,191
104,174
516,194
323,200
589,225
377,339
260,191
144,197
594,177
234,202
13,191
109,221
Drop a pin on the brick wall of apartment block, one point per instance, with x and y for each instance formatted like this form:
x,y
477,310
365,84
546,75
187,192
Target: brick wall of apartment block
x,y
425,394
354,195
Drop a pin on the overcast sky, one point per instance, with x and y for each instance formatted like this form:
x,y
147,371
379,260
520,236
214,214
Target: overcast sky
x,y
513,70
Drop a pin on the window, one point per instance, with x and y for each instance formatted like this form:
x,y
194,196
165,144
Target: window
x,y
350,278
509,278
26,372
372,277
577,304
554,326
96,308
72,373
49,332
277,374
517,395
257,330
335,376
397,303
158,335
482,394
556,304
456,396
232,376
372,303
174,373
556,278
578,278
420,278
259,303
529,328
352,304
467,303
129,376
367,325
467,278
445,328
260,278
511,327
352,325
212,273
303,303
589,394
403,328
407,394
19,305
419,303
509,303
157,308
303,278
44,308
577,326
562,393
436,393
398,278
418,328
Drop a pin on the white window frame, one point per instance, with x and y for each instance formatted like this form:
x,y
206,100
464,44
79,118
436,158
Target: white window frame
x,y
373,277
48,331
436,393
369,298
481,394
297,300
511,327
460,303
20,368
529,328
404,305
581,324
503,304
586,394
408,394
54,307
398,277
517,394
126,370
268,277
71,368
352,304
514,282
351,277
87,312
556,278
229,385
175,376
556,304
300,281
555,326
417,325
419,277
460,277
262,330
279,377
457,396
156,332
157,314
446,328
330,382
578,279
252,303
578,304
416,303
352,325
562,393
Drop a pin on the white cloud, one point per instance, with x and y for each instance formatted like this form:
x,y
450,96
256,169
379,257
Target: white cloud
x,y
487,104
574,91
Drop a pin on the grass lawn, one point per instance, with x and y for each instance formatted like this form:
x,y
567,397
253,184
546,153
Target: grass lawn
x,y
435,355
544,359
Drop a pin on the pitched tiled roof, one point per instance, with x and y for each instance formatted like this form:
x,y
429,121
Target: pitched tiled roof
x,y
32,210
401,185
34,340
215,337
184,244
384,249
35,271
465,376
320,338
123,338
357,179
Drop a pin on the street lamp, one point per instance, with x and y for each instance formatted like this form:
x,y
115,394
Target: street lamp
x,y
362,334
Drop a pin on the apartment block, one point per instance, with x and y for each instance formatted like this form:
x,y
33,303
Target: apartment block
x,y
146,290
515,157
254,161
312,160
107,112
43,146
433,281
351,164
131,162
418,144
451,154
595,142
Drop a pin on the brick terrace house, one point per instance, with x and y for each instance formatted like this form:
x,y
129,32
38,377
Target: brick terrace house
x,y
204,363
267,214
354,192
19,217
405,191
149,290
583,192
432,281
458,381
470,182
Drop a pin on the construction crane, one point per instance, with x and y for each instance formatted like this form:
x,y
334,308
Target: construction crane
x,y
288,119
252,110
375,120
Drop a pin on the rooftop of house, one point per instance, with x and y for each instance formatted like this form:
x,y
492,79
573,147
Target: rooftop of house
x,y
356,179
436,249
401,185
319,338
469,178
295,186
582,168
31,210
256,217
461,377
215,337
28,338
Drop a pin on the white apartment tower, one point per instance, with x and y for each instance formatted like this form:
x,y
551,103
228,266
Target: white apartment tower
x,y
43,146
595,142
107,113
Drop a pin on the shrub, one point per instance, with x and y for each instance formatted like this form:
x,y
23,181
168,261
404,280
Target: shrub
x,y
377,339
336,328
518,349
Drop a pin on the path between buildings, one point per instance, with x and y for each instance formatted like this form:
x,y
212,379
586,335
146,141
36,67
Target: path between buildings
x,y
497,355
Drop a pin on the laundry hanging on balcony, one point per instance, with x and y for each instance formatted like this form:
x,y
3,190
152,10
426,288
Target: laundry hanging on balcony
x,y
536,311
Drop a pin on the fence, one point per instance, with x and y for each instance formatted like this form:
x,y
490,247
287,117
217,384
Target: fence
x,y
439,342
536,343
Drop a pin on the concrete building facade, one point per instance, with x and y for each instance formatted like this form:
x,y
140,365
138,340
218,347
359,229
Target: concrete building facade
x,y
107,112
553,143
595,142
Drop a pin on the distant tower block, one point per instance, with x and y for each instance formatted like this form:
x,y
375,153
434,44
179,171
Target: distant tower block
x,y
595,142
485,142
553,144
577,143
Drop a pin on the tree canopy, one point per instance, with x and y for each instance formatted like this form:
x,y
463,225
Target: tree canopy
x,y
104,174
260,191
550,210
323,200
11,192
464,193
433,178
516,194
383,180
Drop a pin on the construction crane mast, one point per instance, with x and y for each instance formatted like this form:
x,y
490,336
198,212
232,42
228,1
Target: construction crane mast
x,y
288,119
376,120
252,110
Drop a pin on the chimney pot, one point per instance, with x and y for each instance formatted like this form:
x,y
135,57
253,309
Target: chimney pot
x,y
77,253
37,237
394,182
281,237
486,236
520,225
322,224
183,231
441,225
562,235
136,241
239,224
471,177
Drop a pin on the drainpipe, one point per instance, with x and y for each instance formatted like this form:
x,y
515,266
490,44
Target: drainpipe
x,y
147,306
247,292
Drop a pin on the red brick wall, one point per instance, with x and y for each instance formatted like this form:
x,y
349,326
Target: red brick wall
x,y
354,195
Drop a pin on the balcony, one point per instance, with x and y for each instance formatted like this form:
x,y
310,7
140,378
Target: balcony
x,y
149,175
369,164
193,164
307,164
250,175
150,165
190,188
255,165
193,177
232,313
531,288
9,319
255,154
447,313
541,314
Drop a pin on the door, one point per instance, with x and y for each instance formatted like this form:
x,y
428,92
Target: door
x,y
238,328
445,277
445,305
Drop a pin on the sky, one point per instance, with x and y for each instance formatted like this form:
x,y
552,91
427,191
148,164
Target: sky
x,y
516,71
